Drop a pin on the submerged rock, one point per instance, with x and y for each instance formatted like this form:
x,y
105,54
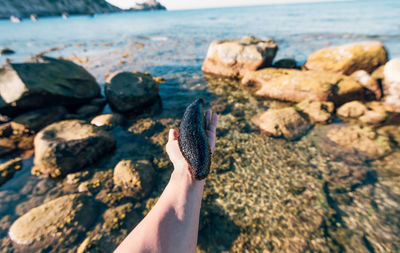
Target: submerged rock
x,y
58,222
286,122
345,59
8,169
44,81
69,146
369,83
353,109
317,112
127,91
371,113
362,142
135,178
234,57
391,84
297,86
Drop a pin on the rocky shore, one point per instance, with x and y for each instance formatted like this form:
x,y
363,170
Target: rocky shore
x,y
306,156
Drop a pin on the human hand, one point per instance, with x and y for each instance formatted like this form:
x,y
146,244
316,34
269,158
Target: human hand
x,y
174,152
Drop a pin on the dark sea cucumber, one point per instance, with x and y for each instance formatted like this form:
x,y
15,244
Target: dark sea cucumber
x,y
193,141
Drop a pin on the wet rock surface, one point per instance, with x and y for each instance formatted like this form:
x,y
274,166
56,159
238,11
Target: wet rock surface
x,y
346,59
128,91
285,122
391,84
234,57
317,112
8,169
296,85
58,146
107,121
55,223
44,81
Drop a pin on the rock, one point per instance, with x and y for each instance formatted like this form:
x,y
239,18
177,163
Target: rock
x,y
362,142
147,5
345,59
297,86
377,74
68,146
371,113
54,8
44,81
286,64
317,112
98,101
7,146
137,178
37,119
391,84
353,109
88,110
8,169
107,121
369,83
128,91
234,57
58,222
286,122
6,51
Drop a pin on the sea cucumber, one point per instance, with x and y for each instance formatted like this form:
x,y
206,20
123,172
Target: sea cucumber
x,y
193,141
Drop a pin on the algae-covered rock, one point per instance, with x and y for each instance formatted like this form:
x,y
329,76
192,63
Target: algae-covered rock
x,y
127,91
391,84
317,112
234,57
44,81
58,222
136,178
286,122
346,59
107,121
363,142
295,85
8,169
69,146
369,83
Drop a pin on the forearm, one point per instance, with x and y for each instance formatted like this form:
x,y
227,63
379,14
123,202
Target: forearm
x,y
172,224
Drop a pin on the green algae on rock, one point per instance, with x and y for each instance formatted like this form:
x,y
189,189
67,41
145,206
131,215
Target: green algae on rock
x,y
193,141
56,223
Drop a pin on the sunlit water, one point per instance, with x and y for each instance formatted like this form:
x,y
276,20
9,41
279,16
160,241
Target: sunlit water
x,y
173,45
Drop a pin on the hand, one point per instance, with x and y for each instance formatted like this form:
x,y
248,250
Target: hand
x,y
173,151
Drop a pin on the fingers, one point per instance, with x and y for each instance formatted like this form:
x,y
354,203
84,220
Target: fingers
x,y
173,135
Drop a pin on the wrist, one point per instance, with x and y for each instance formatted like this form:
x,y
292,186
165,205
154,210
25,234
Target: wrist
x,y
182,175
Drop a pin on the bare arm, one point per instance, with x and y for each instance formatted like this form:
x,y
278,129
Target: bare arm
x,y
172,224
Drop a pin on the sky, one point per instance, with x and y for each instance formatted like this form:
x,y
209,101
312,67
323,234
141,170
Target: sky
x,y
197,4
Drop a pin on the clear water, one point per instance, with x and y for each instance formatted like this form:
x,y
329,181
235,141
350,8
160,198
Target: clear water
x,y
173,45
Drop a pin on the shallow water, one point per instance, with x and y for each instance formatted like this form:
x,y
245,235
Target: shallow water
x,y
264,194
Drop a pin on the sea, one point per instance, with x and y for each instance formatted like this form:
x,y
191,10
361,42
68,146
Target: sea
x,y
173,45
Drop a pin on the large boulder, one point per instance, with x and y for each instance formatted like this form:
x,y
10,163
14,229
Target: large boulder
x,y
44,81
391,84
135,178
345,59
68,146
234,57
286,122
128,91
295,85
57,223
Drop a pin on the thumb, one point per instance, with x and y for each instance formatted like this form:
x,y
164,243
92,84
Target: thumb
x,y
173,135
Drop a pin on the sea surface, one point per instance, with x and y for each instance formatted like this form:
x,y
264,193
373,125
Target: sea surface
x,y
243,204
